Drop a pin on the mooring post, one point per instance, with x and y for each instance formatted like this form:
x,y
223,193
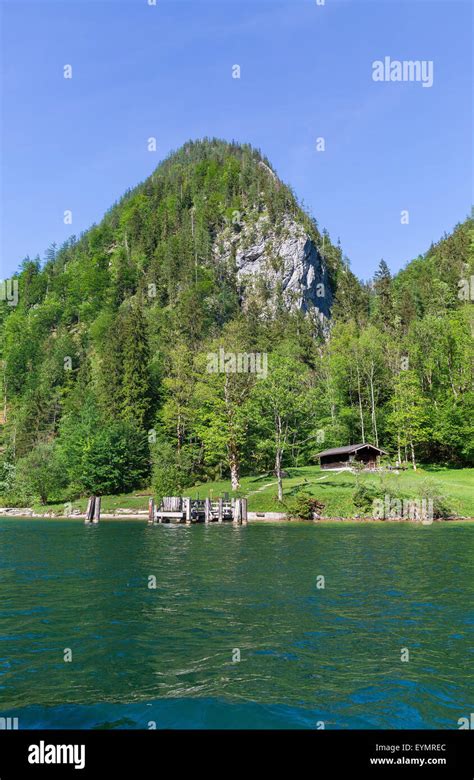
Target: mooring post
x,y
90,509
244,511
187,510
220,511
207,510
151,510
237,511
96,517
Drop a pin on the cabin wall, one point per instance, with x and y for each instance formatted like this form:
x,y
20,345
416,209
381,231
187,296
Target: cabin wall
x,y
368,457
327,463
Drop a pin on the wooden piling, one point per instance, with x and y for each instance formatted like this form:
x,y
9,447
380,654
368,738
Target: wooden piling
x,y
187,510
151,510
90,510
237,519
97,502
207,510
220,511
244,511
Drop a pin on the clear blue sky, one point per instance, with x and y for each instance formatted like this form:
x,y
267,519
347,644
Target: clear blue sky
x,y
306,72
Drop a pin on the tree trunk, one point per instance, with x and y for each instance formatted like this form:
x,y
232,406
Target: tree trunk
x,y
234,469
4,392
279,442
413,454
360,406
372,401
278,474
232,441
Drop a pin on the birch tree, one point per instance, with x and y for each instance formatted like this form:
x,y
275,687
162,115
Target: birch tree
x,y
409,415
281,408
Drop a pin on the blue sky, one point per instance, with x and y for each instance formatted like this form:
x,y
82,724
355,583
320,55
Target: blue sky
x,y
306,72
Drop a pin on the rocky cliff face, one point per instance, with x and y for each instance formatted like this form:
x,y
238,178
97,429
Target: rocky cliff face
x,y
277,265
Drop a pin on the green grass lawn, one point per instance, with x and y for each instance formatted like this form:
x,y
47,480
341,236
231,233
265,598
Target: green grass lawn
x,y
333,489
132,501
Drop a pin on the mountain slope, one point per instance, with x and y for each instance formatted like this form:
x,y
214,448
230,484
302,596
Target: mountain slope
x,y
171,258
168,231
104,358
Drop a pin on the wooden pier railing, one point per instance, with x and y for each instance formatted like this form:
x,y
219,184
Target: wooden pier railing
x,y
174,509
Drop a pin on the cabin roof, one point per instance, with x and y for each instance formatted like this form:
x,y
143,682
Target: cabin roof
x,y
349,449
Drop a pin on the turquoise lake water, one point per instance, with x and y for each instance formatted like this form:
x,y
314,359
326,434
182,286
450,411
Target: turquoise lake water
x,y
164,656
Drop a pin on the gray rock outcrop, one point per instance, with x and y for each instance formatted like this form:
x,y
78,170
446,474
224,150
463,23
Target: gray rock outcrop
x,y
277,265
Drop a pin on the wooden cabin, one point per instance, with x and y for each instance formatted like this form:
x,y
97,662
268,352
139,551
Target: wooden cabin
x,y
344,457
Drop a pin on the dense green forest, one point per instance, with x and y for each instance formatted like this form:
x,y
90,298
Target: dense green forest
x,y
104,374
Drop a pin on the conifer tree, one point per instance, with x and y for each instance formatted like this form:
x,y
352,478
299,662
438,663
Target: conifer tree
x,y
383,295
136,389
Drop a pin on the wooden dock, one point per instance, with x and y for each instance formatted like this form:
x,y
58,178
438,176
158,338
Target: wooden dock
x,y
182,509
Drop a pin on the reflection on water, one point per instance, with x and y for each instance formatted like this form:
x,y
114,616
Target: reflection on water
x,y
165,655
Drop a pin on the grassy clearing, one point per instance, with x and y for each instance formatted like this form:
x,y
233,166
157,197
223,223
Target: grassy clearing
x,y
335,490
132,501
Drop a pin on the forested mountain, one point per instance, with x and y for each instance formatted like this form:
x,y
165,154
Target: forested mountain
x,y
110,360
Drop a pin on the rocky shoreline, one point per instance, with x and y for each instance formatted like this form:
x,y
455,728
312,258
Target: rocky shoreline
x,y
26,513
